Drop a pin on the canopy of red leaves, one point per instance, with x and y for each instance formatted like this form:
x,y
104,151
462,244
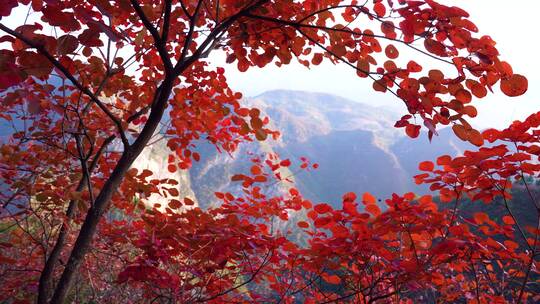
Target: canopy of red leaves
x,y
86,85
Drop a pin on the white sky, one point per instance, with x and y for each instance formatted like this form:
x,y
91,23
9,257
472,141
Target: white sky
x,y
513,24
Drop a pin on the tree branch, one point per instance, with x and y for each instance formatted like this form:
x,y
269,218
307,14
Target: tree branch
x,y
102,201
343,30
71,78
46,275
158,43
183,64
189,37
166,22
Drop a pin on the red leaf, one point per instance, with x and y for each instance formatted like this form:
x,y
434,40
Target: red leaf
x,y
322,221
362,67
475,137
6,6
66,44
238,177
350,208
426,166
435,47
463,96
391,51
460,132
35,64
444,160
303,224
174,204
317,59
379,9
188,201
322,208
412,131
413,67
515,85
172,168
285,163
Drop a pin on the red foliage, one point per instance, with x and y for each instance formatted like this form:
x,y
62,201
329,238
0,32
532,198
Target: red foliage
x,y
87,86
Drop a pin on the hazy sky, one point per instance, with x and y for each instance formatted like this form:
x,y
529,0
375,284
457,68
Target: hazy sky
x,y
513,24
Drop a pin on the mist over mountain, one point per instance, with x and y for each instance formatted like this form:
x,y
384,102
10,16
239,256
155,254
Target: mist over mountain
x,y
356,146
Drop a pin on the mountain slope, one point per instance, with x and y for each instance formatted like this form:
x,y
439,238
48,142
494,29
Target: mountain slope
x,y
355,144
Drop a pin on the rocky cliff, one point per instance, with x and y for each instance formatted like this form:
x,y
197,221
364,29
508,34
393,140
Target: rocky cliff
x,y
355,144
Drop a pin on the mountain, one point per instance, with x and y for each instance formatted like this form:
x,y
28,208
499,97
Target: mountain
x,y
356,146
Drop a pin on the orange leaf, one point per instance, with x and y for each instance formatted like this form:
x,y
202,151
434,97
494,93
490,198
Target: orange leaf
x,y
373,209
508,220
256,170
367,198
475,137
460,132
332,279
480,217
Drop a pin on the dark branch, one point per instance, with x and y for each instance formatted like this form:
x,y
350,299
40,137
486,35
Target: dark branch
x,y
71,78
160,46
189,37
166,22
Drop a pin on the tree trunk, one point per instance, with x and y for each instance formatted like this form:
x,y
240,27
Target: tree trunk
x,y
45,279
88,229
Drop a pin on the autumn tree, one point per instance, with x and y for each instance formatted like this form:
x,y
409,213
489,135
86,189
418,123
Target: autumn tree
x,y
85,86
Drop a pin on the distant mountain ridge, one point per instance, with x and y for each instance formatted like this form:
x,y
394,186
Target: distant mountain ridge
x,y
355,144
